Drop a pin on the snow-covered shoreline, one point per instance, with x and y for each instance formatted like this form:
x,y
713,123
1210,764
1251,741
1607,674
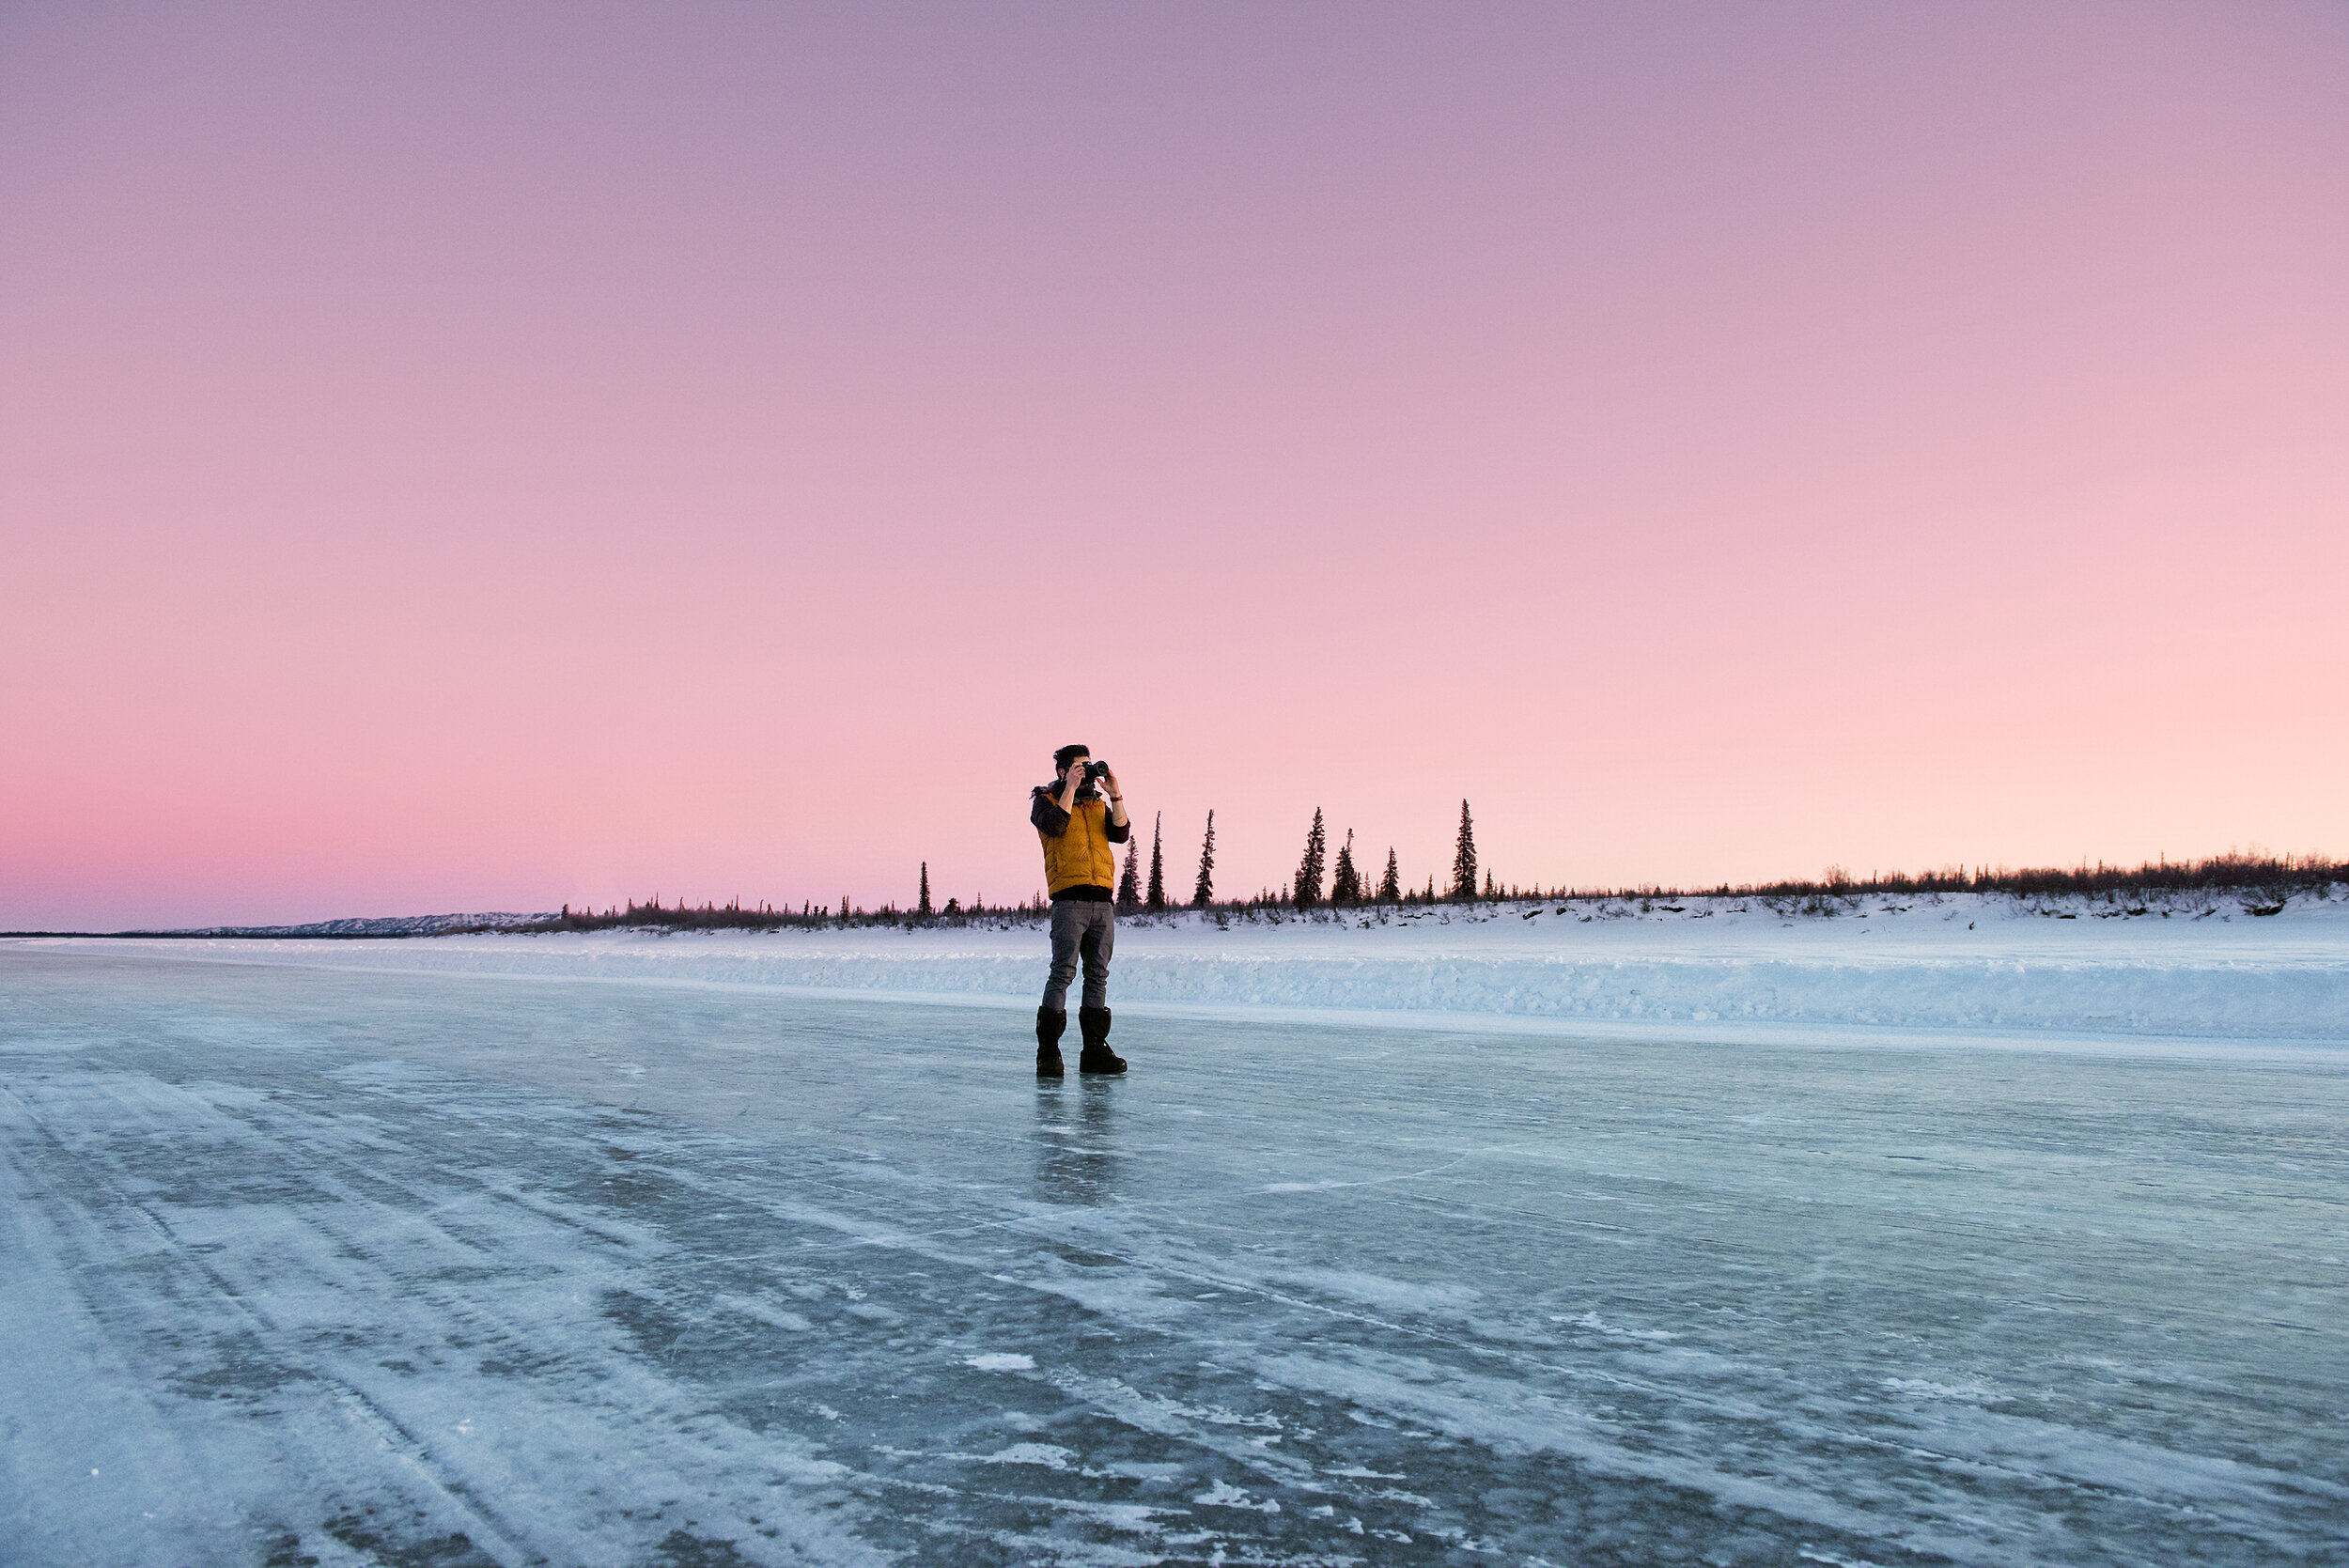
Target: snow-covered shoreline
x,y
2202,969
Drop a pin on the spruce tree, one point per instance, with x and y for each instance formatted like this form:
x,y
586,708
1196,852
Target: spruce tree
x,y
1201,895
1345,883
1390,885
1308,886
922,908
1129,885
1464,859
1158,864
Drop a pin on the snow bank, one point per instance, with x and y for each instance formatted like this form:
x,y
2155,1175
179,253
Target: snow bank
x,y
378,925
2208,969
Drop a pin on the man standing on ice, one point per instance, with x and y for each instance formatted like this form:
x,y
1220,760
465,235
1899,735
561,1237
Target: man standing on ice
x,y
1077,828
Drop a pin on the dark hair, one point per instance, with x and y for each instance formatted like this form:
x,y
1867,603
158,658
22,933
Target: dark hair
x,y
1066,754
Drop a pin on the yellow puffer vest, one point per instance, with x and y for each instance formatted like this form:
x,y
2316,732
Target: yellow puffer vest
x,y
1081,856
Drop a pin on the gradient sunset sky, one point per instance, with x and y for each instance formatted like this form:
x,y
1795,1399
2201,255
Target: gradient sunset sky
x,y
482,457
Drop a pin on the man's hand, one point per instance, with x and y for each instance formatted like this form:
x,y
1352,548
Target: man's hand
x,y
1069,781
1117,796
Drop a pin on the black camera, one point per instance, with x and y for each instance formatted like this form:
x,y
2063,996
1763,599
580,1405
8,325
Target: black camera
x,y
1095,770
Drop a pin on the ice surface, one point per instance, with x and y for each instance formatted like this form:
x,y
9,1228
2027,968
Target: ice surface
x,y
304,1264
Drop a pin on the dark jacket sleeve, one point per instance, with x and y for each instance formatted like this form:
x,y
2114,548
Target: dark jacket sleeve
x,y
1114,833
1047,816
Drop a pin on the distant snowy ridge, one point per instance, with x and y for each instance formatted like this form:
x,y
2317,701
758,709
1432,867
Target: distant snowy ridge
x,y
380,926
2224,970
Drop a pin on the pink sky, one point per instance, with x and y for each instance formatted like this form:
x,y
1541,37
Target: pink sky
x,y
485,457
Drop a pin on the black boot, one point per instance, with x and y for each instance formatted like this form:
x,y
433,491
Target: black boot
x,y
1049,1029
1097,1057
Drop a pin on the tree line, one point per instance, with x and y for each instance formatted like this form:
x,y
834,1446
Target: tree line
x,y
1348,884
1345,884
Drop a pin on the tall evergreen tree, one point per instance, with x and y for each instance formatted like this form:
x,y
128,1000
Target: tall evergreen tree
x,y
1345,883
1158,862
1201,895
1464,858
1308,887
922,908
1390,885
1129,885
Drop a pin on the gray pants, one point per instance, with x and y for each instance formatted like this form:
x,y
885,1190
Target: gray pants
x,y
1086,929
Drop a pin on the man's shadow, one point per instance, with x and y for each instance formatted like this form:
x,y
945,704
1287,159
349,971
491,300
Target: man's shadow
x,y
1076,1142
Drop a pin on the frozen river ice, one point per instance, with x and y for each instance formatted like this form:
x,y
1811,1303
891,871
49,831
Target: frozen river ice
x,y
309,1265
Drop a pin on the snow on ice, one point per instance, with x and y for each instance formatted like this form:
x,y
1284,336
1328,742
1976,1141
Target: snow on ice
x,y
2201,970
